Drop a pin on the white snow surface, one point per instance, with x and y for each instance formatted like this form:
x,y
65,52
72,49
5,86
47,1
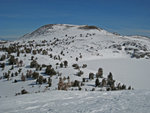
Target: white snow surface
x,y
134,72
136,101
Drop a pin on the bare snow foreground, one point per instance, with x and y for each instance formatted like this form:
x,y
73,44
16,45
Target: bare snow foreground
x,y
136,101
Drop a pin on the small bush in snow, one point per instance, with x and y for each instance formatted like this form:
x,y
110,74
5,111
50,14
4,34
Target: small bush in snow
x,y
103,83
99,74
2,65
97,83
76,83
34,64
91,76
39,80
28,50
23,91
65,63
35,75
16,73
76,66
12,60
18,53
19,70
110,80
34,52
123,87
108,89
93,89
6,75
80,88
50,71
32,57
15,81
44,52
3,57
83,79
12,74
77,59
84,66
80,73
23,78
61,65
129,88
43,65
29,74
49,82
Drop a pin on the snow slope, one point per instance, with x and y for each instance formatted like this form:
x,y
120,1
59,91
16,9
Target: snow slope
x,y
127,57
136,101
128,71
134,72
91,40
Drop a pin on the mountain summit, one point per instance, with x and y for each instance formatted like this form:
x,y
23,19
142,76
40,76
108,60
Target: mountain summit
x,y
51,29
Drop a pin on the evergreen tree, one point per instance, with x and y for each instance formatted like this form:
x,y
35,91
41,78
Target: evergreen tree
x,y
97,83
100,73
91,76
23,77
65,63
61,65
50,71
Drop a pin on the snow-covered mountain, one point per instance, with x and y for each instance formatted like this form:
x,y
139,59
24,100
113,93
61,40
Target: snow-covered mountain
x,y
93,40
70,57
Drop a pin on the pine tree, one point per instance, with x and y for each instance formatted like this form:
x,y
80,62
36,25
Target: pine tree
x,y
23,77
100,73
91,76
61,65
97,83
65,63
50,71
49,82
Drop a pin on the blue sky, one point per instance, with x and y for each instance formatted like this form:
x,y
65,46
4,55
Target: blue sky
x,y
127,17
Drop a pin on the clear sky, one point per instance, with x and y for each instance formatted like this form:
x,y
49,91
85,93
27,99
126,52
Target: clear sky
x,y
127,17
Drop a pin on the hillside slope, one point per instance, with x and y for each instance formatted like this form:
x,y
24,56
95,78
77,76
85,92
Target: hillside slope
x,y
91,39
86,50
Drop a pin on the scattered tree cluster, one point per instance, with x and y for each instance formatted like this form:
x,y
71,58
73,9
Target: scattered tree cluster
x,y
50,71
64,85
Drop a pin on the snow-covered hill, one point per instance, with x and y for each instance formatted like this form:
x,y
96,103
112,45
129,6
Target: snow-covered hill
x,y
92,40
73,57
